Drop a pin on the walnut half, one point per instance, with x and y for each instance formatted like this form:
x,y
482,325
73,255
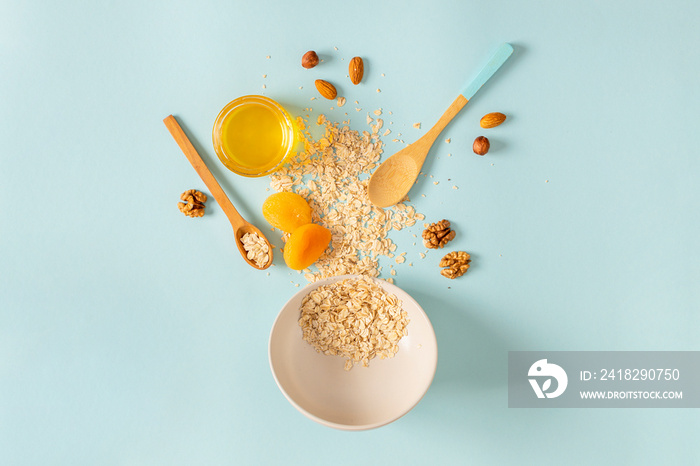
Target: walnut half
x,y
193,205
437,235
457,263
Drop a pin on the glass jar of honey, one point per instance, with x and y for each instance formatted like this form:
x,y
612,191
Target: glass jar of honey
x,y
253,135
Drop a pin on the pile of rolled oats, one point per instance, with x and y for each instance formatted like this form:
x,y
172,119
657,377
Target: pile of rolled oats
x,y
354,318
332,173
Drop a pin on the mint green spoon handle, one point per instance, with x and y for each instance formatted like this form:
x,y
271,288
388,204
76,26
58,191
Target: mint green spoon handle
x,y
498,58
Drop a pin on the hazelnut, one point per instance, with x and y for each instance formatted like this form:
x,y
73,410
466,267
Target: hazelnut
x,y
309,60
481,145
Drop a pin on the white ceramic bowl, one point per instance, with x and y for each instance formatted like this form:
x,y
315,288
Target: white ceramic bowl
x,y
364,397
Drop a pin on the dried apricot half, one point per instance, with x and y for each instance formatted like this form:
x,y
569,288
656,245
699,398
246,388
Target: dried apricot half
x,y
305,245
286,211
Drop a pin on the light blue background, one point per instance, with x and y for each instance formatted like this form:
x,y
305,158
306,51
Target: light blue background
x,y
132,335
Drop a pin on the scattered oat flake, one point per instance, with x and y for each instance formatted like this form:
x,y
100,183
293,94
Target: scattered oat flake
x,y
313,98
268,57
448,140
383,75
386,133
449,155
301,87
378,112
264,76
339,163
264,86
358,109
335,48
455,187
369,119
379,90
416,125
436,183
341,101
393,272
422,255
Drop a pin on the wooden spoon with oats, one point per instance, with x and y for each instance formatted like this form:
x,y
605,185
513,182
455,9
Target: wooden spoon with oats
x,y
392,180
254,247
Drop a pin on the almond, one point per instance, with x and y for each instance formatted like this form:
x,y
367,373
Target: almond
x,y
326,89
356,69
492,120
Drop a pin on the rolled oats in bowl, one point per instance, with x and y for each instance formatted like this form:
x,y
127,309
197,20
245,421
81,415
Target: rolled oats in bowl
x,y
354,318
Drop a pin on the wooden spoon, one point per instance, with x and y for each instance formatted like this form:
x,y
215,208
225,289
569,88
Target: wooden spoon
x,y
392,180
240,225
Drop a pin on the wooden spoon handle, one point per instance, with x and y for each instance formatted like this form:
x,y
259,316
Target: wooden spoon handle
x,y
451,112
497,59
200,167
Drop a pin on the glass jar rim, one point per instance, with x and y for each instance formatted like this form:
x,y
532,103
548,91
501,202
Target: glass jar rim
x,y
289,133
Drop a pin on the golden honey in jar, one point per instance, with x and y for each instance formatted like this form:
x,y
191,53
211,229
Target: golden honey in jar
x,y
253,135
